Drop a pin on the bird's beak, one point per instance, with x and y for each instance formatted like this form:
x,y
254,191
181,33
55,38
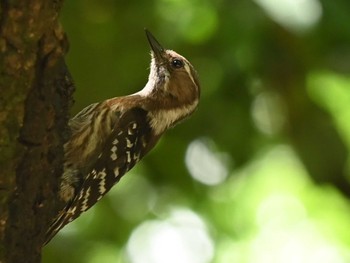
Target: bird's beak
x,y
157,48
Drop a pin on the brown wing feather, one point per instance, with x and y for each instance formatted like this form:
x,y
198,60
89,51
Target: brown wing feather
x,y
130,139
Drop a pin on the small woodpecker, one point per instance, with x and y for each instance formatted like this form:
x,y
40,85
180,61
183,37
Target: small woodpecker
x,y
108,138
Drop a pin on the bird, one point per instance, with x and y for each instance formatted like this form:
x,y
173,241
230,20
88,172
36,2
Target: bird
x,y
108,138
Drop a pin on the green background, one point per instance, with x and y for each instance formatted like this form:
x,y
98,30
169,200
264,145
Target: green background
x,y
260,173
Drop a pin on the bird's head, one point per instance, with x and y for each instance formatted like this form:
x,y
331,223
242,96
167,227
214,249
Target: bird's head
x,y
171,76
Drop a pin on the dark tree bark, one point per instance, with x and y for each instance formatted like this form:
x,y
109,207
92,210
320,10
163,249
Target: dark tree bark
x,y
35,95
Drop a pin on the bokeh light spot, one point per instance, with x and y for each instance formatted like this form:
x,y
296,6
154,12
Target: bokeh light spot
x,y
182,237
295,15
195,21
204,164
268,113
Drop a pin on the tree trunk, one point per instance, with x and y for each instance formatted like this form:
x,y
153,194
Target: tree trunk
x,y
35,96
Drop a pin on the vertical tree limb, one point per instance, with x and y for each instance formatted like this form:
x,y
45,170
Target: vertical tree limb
x,y
35,97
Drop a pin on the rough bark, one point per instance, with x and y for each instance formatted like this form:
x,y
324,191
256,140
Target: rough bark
x,y
35,95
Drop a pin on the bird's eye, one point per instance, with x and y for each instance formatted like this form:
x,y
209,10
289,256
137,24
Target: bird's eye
x,y
177,63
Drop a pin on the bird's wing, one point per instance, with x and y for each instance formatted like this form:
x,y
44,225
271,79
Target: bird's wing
x,y
128,142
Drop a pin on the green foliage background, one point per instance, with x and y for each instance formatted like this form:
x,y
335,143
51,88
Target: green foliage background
x,y
274,119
